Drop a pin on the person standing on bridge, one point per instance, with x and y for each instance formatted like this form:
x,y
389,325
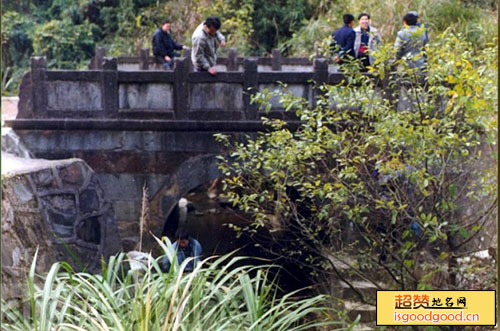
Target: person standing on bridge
x,y
206,39
420,25
410,43
343,40
367,40
164,47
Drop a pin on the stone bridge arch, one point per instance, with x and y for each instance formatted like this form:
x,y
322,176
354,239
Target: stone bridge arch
x,y
190,174
153,127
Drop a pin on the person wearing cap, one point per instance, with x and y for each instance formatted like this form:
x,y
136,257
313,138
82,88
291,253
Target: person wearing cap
x,y
419,24
186,247
343,40
367,41
410,43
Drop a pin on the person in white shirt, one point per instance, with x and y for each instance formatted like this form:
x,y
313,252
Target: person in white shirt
x,y
367,41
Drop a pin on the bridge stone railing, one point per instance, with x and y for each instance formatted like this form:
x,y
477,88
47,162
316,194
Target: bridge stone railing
x,y
112,93
231,62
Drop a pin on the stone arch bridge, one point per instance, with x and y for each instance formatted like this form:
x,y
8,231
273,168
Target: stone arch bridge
x,y
137,126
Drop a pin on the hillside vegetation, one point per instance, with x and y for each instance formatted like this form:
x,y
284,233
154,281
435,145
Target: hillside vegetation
x,y
67,32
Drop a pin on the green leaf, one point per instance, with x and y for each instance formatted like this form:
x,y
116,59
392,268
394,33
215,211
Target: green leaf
x,y
409,263
443,255
463,233
452,189
394,217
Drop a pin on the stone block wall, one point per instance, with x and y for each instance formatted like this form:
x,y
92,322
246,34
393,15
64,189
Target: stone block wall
x,y
55,206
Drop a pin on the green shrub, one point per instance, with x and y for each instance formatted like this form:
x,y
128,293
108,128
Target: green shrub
x,y
312,39
477,24
382,180
17,47
17,44
64,44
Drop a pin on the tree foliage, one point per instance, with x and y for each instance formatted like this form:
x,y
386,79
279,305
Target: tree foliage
x,y
64,43
275,21
384,183
255,27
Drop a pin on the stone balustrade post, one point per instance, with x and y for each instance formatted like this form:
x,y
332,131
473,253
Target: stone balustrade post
x,y
181,92
38,83
250,87
109,83
187,55
96,61
320,76
144,59
232,64
276,59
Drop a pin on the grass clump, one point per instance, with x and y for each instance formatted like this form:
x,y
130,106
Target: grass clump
x,y
217,295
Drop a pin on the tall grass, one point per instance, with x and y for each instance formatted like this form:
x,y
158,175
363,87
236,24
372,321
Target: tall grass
x,y
143,220
217,295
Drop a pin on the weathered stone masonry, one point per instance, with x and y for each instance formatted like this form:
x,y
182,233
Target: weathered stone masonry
x,y
58,207
153,127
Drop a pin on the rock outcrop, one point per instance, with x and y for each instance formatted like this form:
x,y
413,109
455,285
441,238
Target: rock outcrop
x,y
12,144
57,206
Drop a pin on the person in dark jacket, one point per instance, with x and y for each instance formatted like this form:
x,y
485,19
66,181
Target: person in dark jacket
x,y
164,47
343,40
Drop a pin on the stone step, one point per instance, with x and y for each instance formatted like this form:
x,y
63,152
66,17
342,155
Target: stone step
x,y
344,264
368,313
368,289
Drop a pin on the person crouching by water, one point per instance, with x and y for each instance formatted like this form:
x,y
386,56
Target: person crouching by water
x,y
164,47
185,247
367,41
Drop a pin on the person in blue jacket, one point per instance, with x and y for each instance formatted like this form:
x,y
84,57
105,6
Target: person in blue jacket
x,y
186,247
343,40
420,24
410,43
164,47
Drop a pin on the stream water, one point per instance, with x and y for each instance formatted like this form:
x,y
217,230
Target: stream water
x,y
207,220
